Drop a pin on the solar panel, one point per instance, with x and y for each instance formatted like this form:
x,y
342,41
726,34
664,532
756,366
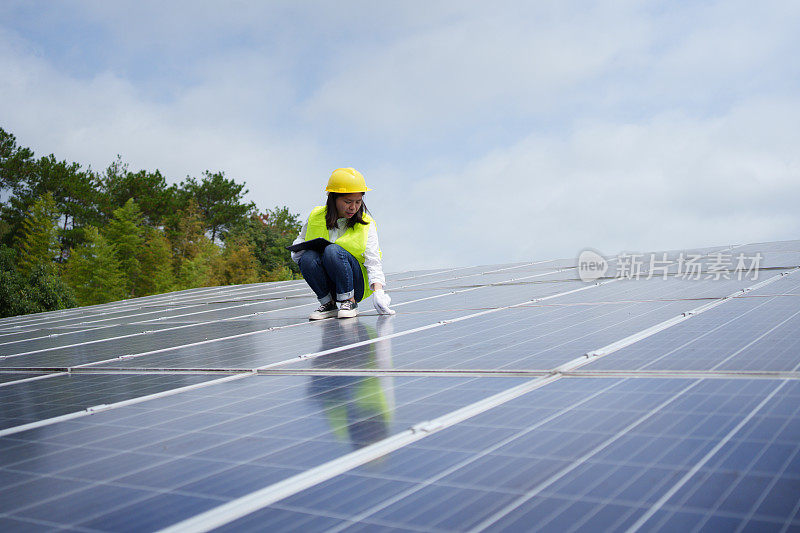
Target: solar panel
x,y
62,394
753,332
18,376
209,437
580,454
499,397
429,306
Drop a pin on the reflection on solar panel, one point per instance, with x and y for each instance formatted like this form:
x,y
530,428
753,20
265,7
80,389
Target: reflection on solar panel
x,y
505,397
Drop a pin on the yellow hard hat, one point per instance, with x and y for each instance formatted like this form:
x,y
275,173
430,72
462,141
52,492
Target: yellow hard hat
x,y
346,180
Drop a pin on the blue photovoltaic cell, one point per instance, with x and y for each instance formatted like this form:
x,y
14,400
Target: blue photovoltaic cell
x,y
166,459
44,341
32,401
581,454
754,479
282,345
448,306
158,307
474,280
6,377
537,337
757,332
107,344
199,302
24,334
133,313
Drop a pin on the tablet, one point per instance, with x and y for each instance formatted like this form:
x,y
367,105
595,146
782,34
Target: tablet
x,y
318,244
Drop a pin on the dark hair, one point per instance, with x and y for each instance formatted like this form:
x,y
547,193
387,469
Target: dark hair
x,y
332,213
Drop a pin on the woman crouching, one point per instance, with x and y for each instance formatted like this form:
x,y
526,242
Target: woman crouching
x,y
350,269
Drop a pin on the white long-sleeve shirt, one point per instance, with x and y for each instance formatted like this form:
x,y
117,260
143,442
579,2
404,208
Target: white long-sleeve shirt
x,y
372,256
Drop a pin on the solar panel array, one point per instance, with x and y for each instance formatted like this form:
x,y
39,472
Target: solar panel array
x,y
498,397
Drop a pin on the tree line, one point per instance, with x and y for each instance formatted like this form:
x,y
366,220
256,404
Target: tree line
x,y
71,236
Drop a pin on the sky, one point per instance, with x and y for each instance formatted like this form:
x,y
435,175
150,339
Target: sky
x,y
489,132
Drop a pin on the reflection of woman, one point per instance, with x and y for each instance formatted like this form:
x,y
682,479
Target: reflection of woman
x,y
355,407
358,408
350,269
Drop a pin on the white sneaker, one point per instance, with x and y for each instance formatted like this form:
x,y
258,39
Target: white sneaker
x,y
327,310
348,309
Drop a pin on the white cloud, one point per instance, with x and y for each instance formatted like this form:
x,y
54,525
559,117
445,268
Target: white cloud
x,y
672,182
489,133
493,62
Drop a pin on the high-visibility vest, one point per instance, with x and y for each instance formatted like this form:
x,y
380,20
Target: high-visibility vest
x,y
348,400
354,239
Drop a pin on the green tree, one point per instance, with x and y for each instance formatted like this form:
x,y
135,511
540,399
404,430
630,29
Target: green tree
x,y
269,234
156,264
16,162
219,200
126,235
93,271
186,233
16,166
237,264
155,198
5,229
178,224
72,188
199,270
38,244
193,254
42,290
75,192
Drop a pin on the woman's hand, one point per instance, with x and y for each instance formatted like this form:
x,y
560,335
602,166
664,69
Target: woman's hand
x,y
381,300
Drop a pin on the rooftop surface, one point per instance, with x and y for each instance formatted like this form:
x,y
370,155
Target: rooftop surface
x,y
662,395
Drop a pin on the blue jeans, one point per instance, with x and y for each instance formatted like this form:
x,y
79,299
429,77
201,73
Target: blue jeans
x,y
333,272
